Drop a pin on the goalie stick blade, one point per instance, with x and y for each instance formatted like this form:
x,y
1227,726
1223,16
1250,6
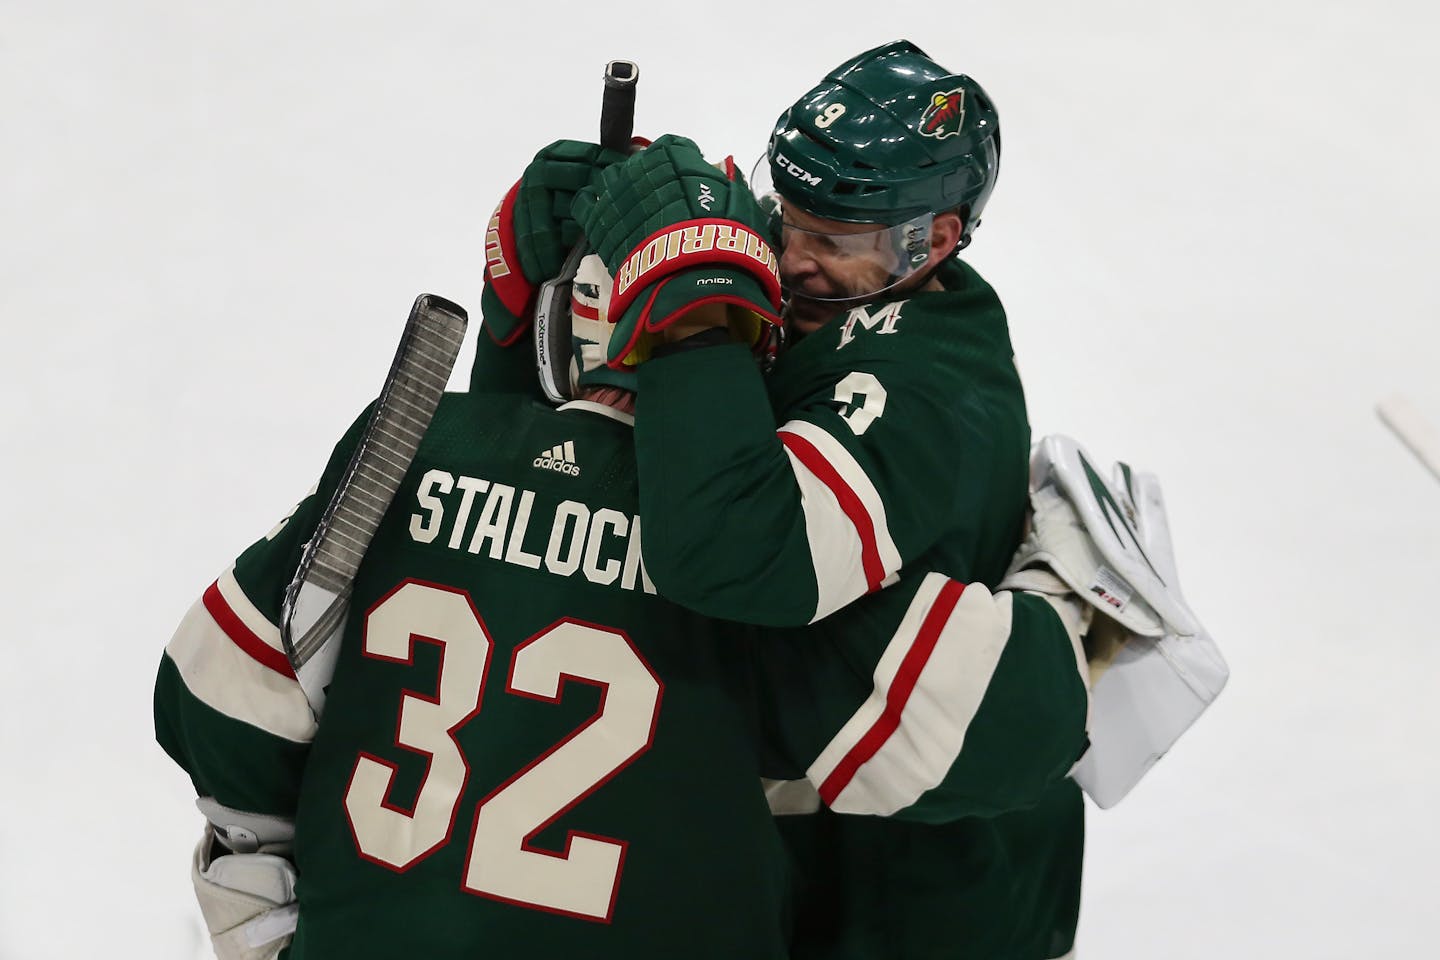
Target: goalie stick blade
x,y
1411,429
317,599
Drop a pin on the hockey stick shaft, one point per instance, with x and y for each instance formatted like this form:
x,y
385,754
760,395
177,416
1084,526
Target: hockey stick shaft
x,y
617,109
552,305
1412,430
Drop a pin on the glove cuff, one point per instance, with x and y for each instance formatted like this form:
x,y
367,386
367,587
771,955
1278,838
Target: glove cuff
x,y
502,265
664,302
500,323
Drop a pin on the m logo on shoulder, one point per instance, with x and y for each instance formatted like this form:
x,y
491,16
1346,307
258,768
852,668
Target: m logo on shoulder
x,y
560,458
887,316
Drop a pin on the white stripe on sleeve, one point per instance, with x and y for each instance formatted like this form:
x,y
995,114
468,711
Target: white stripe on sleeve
x,y
928,686
224,672
845,522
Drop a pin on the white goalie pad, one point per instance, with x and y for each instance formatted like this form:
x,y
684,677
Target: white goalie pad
x,y
1154,669
247,900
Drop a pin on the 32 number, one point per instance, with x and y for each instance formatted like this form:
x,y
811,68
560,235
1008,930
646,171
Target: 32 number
x,y
582,880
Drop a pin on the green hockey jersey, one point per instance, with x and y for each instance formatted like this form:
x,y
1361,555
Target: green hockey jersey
x,y
894,434
929,700
525,750
882,464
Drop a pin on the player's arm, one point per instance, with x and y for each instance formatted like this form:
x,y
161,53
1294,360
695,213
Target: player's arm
x,y
230,712
952,703
228,708
786,522
782,523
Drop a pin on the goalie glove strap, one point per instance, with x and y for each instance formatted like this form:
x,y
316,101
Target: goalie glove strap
x,y
243,832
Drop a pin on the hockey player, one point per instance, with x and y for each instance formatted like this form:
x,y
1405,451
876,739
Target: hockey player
x,y
526,751
888,447
466,704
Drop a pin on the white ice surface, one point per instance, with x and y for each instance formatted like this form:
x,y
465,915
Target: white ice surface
x,y
1213,233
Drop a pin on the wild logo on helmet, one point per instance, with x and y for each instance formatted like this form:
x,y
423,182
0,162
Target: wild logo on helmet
x,y
945,115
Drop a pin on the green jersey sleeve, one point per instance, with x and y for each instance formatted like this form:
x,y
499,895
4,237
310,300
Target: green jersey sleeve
x,y
932,700
897,428
228,708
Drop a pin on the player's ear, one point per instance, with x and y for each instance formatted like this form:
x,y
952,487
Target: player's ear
x,y
945,233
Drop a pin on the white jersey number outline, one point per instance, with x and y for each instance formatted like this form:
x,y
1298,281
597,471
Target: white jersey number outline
x,y
583,880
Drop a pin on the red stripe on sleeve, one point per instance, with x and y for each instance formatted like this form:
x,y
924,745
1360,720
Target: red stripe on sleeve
x,y
898,695
242,636
850,502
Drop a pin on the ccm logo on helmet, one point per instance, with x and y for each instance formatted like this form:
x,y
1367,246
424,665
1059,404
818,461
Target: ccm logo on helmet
x,y
796,171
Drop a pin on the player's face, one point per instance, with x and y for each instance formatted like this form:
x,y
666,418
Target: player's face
x,y
828,266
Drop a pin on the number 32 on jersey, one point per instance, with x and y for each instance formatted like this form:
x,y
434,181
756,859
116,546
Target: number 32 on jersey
x,y
584,879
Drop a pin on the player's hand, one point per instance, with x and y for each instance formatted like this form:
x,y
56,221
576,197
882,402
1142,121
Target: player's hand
x,y
678,233
532,231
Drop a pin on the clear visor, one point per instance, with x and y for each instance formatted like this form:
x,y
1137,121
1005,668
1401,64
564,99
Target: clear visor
x,y
832,261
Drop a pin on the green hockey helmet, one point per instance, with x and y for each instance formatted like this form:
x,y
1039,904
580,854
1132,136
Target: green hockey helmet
x,y
886,137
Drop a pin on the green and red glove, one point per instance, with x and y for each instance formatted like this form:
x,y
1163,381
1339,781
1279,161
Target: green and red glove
x,y
677,233
532,231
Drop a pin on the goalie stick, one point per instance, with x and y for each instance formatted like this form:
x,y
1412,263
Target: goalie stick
x,y
552,306
317,599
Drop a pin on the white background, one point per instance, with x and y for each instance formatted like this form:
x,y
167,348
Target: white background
x,y
1213,233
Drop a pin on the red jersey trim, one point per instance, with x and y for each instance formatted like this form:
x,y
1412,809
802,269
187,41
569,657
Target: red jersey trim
x,y
814,461
897,696
242,636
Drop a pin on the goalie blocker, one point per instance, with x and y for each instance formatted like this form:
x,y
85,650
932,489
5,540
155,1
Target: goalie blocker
x,y
1153,667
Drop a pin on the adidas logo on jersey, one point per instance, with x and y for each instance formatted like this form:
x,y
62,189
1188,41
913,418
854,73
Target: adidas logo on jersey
x,y
560,458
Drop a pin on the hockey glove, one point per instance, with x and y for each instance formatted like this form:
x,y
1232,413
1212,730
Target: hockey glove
x,y
677,232
531,232
1153,667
